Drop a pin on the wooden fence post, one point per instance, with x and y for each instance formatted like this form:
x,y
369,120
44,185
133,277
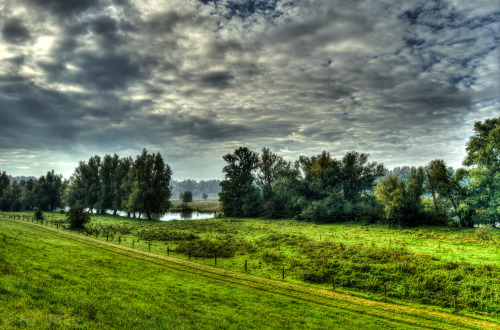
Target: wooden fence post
x,y
168,250
455,301
215,257
245,265
283,273
149,246
385,292
119,240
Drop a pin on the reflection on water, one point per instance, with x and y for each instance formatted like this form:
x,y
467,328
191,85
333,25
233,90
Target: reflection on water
x,y
174,215
186,216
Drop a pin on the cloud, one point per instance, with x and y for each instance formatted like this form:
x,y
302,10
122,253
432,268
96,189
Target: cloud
x,y
403,81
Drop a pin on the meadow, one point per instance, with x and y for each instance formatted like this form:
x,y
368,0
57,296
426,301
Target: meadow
x,y
445,269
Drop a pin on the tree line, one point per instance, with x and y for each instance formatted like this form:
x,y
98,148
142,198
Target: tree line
x,y
315,188
322,188
140,186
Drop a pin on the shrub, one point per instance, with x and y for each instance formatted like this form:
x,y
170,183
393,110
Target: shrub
x,y
77,216
483,232
38,215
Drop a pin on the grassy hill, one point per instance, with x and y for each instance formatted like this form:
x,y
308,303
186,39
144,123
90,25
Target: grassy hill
x,y
52,277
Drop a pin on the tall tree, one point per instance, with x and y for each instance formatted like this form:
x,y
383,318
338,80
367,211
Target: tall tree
x,y
4,181
358,175
48,191
85,185
442,181
239,195
150,184
106,179
483,161
269,165
121,186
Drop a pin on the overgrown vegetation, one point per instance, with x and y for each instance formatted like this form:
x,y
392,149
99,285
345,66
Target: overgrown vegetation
x,y
426,265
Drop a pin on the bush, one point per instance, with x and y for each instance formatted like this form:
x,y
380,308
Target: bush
x,y
38,215
483,232
77,216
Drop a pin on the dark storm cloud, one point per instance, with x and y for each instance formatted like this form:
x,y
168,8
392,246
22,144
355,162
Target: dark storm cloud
x,y
403,81
64,7
15,32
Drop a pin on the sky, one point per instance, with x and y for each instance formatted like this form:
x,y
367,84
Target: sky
x,y
401,80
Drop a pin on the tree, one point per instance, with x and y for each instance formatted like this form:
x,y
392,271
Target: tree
x,y
269,165
106,182
120,185
482,200
239,195
441,180
204,196
77,216
150,178
4,182
358,175
85,185
186,197
48,191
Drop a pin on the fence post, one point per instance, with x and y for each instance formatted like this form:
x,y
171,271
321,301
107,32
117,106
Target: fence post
x,y
385,292
333,283
245,265
455,301
189,254
149,246
119,239
132,243
283,273
107,236
215,257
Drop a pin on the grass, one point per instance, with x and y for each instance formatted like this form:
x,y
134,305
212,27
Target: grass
x,y
418,266
198,206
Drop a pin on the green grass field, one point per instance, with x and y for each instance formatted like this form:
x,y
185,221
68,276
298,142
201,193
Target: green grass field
x,y
106,278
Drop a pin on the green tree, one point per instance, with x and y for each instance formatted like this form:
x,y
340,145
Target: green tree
x,y
402,199
443,182
29,197
48,192
186,196
482,200
268,166
106,182
151,179
77,217
85,185
204,196
358,175
239,195
121,185
4,182
11,198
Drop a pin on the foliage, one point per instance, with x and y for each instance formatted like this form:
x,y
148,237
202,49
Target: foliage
x,y
165,235
239,195
47,192
77,216
38,215
150,178
206,248
481,203
204,196
483,232
186,196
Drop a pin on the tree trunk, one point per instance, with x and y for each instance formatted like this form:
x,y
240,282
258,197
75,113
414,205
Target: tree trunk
x,y
149,215
114,212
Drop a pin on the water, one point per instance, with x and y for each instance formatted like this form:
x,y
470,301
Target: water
x,y
169,216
